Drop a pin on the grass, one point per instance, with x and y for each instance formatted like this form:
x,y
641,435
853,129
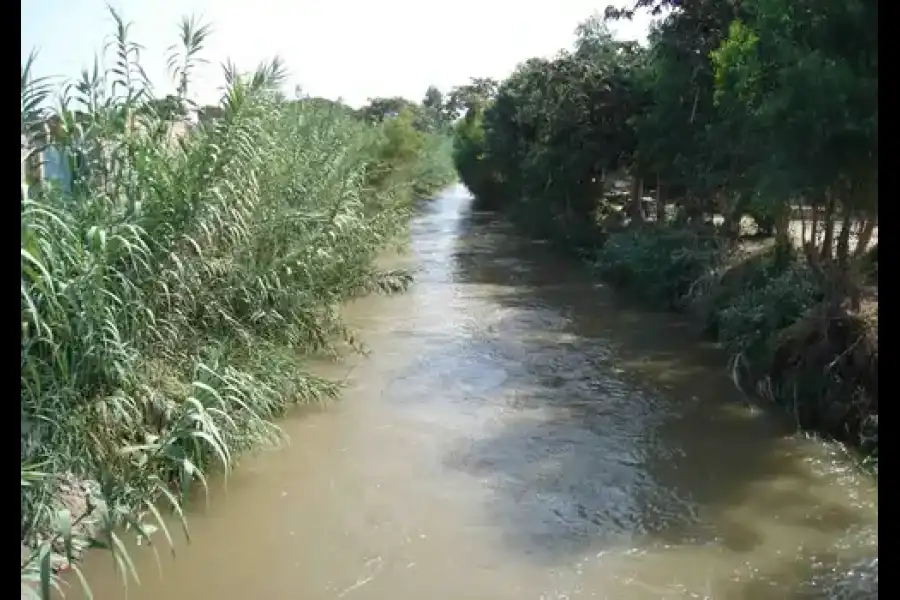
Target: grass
x,y
170,297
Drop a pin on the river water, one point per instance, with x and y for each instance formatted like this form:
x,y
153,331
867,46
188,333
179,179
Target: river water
x,y
521,432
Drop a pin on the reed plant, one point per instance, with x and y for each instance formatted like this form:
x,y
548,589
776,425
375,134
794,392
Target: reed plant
x,y
172,292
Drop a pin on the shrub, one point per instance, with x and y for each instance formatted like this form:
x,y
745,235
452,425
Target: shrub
x,y
662,264
764,306
741,271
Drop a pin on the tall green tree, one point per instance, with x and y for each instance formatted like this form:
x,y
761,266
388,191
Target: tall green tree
x,y
800,82
473,96
755,107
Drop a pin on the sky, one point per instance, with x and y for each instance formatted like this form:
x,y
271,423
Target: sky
x,y
348,49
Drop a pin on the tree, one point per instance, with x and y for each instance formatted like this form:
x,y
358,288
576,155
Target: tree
x,y
473,96
379,109
758,107
804,90
434,108
553,130
434,99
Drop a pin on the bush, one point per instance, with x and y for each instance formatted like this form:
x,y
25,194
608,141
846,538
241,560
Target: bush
x,y
764,306
405,156
468,159
740,272
435,168
663,264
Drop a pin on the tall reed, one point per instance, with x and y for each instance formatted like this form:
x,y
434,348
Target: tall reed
x,y
170,294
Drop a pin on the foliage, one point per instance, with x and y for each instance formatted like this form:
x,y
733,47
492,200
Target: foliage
x,y
468,154
434,107
765,306
738,272
738,108
434,167
169,108
379,109
169,297
472,97
799,84
428,117
554,129
406,152
664,265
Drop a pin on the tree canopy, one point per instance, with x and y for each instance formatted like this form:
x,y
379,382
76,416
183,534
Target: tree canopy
x,y
760,107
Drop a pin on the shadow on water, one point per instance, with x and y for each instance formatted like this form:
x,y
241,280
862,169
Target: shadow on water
x,y
618,425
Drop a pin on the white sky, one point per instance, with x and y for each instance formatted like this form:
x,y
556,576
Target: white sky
x,y
354,49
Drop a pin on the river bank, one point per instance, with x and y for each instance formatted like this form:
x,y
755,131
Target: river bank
x,y
790,336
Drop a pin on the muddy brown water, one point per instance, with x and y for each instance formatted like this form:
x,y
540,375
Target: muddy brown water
x,y
520,431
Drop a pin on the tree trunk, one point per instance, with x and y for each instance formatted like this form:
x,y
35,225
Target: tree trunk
x,y
828,240
783,227
814,233
660,202
843,246
731,222
865,237
599,193
692,210
802,226
637,205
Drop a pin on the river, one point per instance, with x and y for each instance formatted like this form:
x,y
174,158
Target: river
x,y
519,431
